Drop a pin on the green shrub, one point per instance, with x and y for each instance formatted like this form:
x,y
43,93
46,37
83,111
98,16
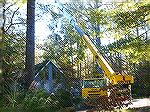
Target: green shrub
x,y
40,100
65,98
37,101
31,101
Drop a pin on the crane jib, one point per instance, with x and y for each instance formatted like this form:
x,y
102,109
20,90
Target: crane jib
x,y
71,19
79,30
106,67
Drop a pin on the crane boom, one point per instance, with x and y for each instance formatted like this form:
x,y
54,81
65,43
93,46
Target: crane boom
x,y
101,60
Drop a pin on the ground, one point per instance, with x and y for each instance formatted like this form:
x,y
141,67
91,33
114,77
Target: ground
x,y
139,105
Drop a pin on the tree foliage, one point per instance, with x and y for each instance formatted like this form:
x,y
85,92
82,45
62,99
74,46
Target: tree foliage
x,y
13,40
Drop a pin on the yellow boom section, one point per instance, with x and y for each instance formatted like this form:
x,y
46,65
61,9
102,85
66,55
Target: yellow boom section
x,y
104,64
108,71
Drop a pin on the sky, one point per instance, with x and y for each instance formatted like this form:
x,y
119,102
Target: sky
x,y
42,29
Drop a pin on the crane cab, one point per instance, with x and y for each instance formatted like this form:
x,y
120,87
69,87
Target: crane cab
x,y
94,87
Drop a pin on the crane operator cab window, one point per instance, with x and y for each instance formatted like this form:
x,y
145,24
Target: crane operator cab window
x,y
94,83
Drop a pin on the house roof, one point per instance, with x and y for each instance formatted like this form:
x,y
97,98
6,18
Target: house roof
x,y
39,67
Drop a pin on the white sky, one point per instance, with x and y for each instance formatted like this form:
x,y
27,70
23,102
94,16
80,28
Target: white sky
x,y
42,30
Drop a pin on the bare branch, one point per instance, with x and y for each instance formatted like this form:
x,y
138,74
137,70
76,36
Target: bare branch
x,y
9,6
4,18
5,31
39,17
11,21
17,23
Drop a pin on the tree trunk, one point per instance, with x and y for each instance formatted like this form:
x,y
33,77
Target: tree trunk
x,y
2,39
30,43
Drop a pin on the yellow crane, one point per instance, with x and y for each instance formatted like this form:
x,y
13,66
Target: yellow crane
x,y
112,90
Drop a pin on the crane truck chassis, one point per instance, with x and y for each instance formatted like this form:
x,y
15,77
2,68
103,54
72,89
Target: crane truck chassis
x,y
114,90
